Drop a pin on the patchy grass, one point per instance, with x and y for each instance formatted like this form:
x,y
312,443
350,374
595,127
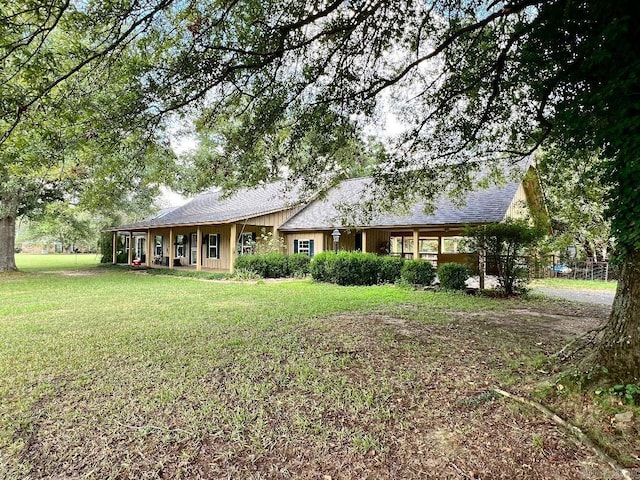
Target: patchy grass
x,y
120,374
27,262
575,284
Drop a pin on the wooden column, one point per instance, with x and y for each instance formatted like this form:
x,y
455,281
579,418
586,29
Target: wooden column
x,y
114,249
482,267
148,245
130,254
439,251
170,248
276,236
416,244
233,241
364,241
199,249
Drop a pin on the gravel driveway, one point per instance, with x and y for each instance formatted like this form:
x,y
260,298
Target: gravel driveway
x,y
590,296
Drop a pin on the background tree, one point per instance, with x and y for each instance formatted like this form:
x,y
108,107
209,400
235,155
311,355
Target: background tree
x,y
64,224
576,195
75,122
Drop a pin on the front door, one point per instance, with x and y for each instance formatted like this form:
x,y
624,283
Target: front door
x,y
141,251
193,245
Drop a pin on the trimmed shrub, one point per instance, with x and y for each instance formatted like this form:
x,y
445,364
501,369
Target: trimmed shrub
x,y
251,263
276,265
418,272
298,264
318,266
389,269
346,268
453,276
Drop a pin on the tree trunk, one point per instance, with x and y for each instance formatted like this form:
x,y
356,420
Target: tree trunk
x,y
7,243
619,349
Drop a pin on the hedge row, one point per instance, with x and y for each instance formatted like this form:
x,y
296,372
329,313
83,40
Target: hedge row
x,y
355,268
274,265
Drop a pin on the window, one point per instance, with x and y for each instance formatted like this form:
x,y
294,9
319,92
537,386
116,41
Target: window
x,y
428,245
213,250
179,245
158,246
246,243
401,245
303,246
454,245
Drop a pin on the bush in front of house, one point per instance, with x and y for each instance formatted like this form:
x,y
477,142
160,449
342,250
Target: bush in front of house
x,y
251,263
355,268
298,264
274,264
418,272
318,266
453,276
390,269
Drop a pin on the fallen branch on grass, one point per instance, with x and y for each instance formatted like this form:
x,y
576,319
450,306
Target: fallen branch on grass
x,y
572,429
593,333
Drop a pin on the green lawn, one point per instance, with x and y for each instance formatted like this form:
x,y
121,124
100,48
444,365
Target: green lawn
x,y
56,261
575,284
108,373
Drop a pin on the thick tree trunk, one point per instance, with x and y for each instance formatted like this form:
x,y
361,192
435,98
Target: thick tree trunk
x,y
619,350
7,243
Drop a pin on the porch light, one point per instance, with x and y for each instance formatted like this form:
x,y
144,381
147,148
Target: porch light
x,y
336,238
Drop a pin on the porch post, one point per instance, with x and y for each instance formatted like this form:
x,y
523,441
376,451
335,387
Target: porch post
x,y
148,245
482,267
276,237
170,248
130,253
416,244
114,249
439,251
364,241
233,241
199,249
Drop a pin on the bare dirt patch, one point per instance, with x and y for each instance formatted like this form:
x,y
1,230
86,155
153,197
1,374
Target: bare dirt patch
x,y
73,273
443,421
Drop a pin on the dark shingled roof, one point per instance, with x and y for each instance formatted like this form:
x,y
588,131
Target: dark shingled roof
x,y
482,206
210,207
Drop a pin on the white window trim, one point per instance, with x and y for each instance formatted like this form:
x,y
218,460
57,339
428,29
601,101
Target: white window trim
x,y
306,250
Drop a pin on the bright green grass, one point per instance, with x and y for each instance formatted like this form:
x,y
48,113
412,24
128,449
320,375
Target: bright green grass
x,y
575,284
100,363
32,263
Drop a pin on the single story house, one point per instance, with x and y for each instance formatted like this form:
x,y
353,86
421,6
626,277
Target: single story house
x,y
211,230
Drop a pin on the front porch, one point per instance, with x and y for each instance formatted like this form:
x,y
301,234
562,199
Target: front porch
x,y
211,248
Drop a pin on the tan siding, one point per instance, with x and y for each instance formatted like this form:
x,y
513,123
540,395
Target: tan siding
x,y
317,237
378,241
223,263
271,220
519,207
